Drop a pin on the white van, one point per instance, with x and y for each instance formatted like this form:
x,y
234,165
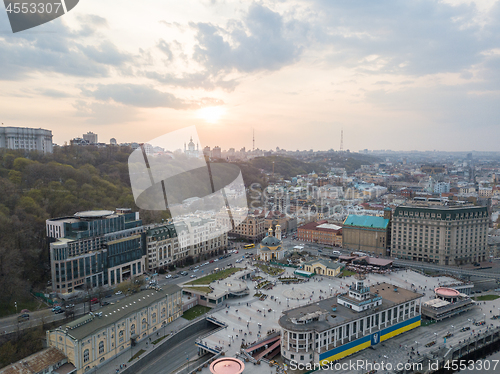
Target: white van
x,y
336,253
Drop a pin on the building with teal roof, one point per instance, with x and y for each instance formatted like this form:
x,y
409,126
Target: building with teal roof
x,y
367,234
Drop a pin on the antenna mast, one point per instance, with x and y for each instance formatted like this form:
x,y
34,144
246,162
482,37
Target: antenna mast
x,y
342,140
253,140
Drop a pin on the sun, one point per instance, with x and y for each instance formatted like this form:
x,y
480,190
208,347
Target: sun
x,y
211,114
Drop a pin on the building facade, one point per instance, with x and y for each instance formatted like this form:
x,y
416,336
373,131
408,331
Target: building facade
x,y
252,229
367,234
321,232
26,138
324,267
337,327
271,248
94,249
441,234
95,339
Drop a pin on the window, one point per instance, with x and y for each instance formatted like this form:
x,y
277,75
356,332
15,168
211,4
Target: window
x,y
132,329
101,347
85,355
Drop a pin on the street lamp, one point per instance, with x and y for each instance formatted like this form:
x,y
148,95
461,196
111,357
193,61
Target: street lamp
x,y
187,359
417,345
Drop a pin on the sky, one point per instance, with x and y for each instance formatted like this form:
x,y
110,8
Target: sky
x,y
400,75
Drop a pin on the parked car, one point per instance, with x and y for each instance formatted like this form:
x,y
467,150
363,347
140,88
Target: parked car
x,y
94,300
59,311
118,293
105,303
211,261
168,276
56,308
25,311
175,276
184,273
23,317
193,276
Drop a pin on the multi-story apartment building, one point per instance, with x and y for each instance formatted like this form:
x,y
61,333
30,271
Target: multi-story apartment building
x,y
321,232
253,228
95,248
337,327
446,235
26,138
367,234
169,243
95,339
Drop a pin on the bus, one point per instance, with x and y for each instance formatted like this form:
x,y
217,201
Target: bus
x,y
248,246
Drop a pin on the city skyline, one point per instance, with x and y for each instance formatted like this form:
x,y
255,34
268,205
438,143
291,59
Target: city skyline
x,y
420,75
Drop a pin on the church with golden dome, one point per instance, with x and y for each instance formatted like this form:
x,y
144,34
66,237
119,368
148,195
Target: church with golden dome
x,y
271,248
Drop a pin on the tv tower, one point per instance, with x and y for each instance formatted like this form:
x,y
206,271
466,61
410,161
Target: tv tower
x,y
253,140
341,140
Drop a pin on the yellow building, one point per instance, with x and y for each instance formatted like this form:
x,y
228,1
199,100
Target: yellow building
x,y
96,338
323,267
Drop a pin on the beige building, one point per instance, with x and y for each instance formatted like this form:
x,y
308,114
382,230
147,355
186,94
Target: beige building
x,y
252,228
94,339
324,267
367,234
441,234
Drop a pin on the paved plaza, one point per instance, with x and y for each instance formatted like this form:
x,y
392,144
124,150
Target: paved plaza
x,y
250,319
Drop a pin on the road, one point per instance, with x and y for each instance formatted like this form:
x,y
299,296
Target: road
x,y
10,324
173,357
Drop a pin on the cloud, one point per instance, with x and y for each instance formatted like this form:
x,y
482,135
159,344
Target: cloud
x,y
202,80
105,114
263,41
165,48
405,37
49,92
58,49
145,97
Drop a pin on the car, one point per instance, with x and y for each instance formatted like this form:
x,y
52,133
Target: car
x,y
193,276
195,270
108,296
206,263
105,303
23,317
197,266
25,311
70,306
236,252
320,250
216,260
59,311
56,308
118,293
175,276
94,300
211,261
168,276
184,273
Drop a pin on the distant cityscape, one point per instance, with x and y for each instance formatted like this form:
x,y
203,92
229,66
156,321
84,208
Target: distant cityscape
x,y
374,253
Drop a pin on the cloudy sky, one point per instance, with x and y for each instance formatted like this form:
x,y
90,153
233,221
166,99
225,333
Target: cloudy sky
x,y
398,75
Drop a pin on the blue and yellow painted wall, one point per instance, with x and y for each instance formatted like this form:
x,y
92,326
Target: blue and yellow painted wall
x,y
369,340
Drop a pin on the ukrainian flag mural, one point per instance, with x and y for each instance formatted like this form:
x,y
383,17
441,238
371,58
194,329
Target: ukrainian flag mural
x,y
369,340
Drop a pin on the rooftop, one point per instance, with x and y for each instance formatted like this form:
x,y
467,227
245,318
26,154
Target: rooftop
x,y
390,294
327,263
88,324
366,221
35,363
